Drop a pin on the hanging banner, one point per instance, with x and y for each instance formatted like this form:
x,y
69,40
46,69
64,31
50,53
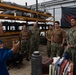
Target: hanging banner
x,y
67,14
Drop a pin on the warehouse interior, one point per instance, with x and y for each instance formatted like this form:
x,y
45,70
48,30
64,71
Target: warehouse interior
x,y
14,15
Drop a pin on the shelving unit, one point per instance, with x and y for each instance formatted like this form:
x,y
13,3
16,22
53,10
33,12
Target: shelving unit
x,y
11,17
14,34
24,10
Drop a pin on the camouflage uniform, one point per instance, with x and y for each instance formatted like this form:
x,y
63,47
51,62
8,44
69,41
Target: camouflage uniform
x,y
71,39
57,37
25,42
35,39
48,36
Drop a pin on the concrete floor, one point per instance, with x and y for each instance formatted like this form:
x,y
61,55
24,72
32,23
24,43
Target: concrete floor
x,y
26,67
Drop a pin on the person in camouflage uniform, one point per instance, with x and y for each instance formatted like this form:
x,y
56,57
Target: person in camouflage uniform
x,y
35,38
71,40
48,37
57,41
25,41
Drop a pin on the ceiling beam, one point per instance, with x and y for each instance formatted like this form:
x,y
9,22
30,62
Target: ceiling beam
x,y
52,3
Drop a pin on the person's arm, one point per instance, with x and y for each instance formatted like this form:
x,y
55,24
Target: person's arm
x,y
15,46
8,53
70,46
20,36
67,40
52,37
47,37
63,38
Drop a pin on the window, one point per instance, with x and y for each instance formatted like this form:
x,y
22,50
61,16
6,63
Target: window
x,y
42,34
4,27
12,27
20,28
46,27
8,28
40,27
43,27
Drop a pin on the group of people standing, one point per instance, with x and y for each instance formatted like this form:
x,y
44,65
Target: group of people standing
x,y
29,40
56,37
55,40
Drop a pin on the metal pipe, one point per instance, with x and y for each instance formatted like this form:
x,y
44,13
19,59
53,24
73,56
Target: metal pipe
x,y
37,10
53,15
36,5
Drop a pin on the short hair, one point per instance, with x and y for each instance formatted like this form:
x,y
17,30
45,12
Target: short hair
x,y
74,18
57,22
51,25
24,25
35,22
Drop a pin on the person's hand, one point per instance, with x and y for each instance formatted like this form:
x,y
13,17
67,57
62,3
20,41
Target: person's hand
x,y
49,40
15,46
51,43
1,46
69,46
61,45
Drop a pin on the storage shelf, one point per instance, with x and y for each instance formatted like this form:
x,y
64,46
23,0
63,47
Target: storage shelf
x,y
12,17
22,9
